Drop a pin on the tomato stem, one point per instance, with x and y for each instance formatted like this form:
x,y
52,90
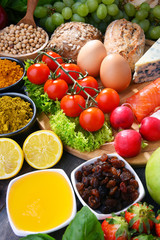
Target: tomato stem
x,y
74,81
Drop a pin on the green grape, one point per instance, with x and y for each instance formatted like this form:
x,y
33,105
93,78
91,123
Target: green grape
x,y
42,21
75,6
95,18
141,14
107,2
101,11
125,16
57,19
151,16
102,26
145,6
135,20
130,9
68,3
92,5
156,11
116,2
147,34
144,24
112,9
67,13
40,12
49,24
76,18
47,5
107,19
119,15
155,33
82,10
58,6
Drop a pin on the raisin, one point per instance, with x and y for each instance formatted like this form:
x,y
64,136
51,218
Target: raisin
x,y
113,170
113,191
95,192
117,163
111,183
134,195
133,182
94,202
80,186
130,188
78,176
125,176
123,187
104,181
104,157
85,181
85,194
94,182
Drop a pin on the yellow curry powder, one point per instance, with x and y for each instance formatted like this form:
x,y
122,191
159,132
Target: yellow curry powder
x,y
15,113
10,72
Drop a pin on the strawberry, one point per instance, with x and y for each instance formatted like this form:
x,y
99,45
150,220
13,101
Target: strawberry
x,y
115,228
144,237
140,217
157,225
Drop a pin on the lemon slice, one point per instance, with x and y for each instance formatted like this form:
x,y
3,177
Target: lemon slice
x,y
11,158
42,149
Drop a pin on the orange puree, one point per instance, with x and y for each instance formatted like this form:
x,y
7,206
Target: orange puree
x,y
40,201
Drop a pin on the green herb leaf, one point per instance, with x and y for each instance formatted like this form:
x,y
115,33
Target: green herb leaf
x,y
84,226
38,236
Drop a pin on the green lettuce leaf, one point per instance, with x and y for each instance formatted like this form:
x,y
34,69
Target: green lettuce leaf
x,y
73,135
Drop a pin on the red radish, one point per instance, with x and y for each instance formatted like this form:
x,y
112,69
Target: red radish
x,y
150,128
121,117
127,143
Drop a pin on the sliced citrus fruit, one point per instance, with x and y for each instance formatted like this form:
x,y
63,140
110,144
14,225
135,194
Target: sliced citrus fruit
x,y
11,158
42,149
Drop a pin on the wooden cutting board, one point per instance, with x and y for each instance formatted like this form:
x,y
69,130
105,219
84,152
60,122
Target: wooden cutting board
x,y
140,160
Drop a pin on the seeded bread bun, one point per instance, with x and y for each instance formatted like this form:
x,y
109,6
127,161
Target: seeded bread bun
x,y
125,38
69,37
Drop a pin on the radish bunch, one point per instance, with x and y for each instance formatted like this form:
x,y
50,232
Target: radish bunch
x,y
128,142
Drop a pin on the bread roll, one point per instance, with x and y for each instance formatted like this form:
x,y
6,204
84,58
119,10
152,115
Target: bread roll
x,y
125,38
69,37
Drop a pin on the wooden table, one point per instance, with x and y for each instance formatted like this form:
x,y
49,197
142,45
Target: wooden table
x,y
68,162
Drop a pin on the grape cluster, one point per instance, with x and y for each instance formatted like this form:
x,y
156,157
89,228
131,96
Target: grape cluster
x,y
99,13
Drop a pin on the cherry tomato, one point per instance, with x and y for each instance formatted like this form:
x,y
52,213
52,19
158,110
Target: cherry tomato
x,y
108,99
87,82
50,63
92,119
71,105
56,89
38,73
69,67
3,18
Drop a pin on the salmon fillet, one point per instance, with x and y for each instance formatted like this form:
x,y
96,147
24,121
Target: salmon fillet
x,y
144,102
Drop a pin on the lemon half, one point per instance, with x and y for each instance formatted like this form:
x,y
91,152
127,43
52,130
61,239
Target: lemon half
x,y
11,158
42,149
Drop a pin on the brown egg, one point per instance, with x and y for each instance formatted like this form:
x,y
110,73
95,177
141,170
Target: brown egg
x,y
90,57
115,72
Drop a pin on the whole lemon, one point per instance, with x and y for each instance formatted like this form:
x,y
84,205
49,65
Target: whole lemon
x,y
152,175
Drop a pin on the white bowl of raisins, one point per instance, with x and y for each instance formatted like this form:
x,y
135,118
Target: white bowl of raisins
x,y
107,184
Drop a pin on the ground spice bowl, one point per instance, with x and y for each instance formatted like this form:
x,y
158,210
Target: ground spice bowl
x,y
17,85
28,126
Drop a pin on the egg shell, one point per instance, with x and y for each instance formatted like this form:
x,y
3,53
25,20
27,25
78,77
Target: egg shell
x,y
115,72
90,57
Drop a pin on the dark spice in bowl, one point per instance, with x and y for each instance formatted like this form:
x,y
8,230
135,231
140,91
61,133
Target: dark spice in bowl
x,y
107,185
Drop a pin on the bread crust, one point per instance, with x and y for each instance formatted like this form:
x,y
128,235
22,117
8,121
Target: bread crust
x,y
125,38
69,37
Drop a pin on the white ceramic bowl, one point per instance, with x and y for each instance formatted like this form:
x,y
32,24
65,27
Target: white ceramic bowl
x,y
99,215
21,232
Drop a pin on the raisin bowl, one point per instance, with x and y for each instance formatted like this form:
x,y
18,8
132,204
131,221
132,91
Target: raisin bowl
x,y
107,184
